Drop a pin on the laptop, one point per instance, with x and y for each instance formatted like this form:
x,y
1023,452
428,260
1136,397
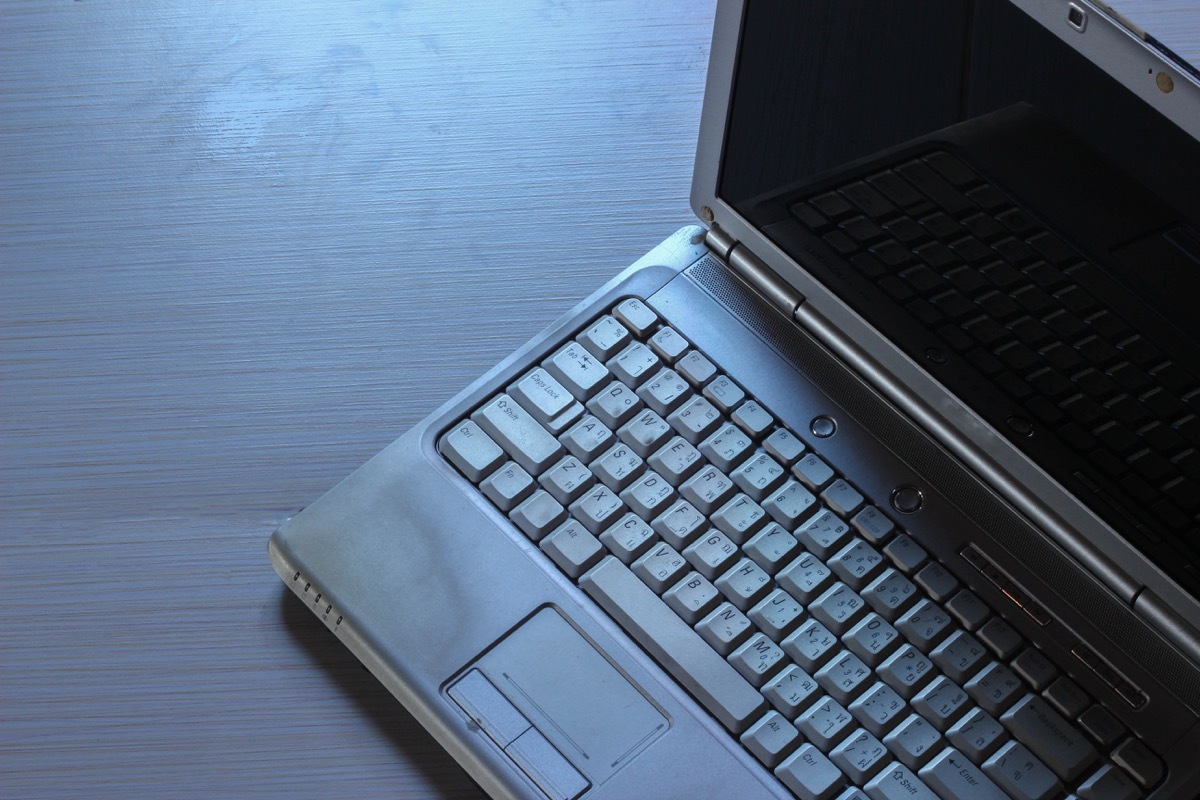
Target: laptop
x,y
881,482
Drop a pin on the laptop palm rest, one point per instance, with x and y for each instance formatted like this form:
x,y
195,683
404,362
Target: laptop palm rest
x,y
557,707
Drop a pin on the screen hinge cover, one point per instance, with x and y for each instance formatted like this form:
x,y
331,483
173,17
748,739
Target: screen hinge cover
x,y
753,271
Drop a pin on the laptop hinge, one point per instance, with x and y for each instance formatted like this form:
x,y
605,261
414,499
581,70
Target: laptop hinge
x,y
753,271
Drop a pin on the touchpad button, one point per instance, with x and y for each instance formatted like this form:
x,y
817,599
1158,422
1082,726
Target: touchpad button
x,y
571,693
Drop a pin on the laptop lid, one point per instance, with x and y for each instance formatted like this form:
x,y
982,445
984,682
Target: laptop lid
x,y
1090,135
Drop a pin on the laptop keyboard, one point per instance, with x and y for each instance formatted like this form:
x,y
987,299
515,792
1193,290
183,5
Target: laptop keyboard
x,y
963,260
789,605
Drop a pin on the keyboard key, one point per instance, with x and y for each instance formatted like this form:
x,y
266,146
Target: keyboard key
x,y
968,609
906,670
588,438
824,534
753,418
664,391
776,614
937,581
940,702
977,734
628,537
811,775
727,447
711,554
878,707
790,690
695,419
913,741
708,489
905,553
1104,729
784,446
634,364
693,597
1003,638
759,475
843,676
837,608
573,548
744,584
679,524
995,687
898,782
636,315
810,644
812,471
1109,783
618,466
772,547
692,662
1021,774
605,338
538,515
567,479
757,659
668,344
960,655
577,369
471,450
615,404
1066,696
659,567
724,393
843,498
1137,759
924,624
872,639
521,436
824,723
1036,670
771,738
695,368
648,495
645,433
725,628
676,460
546,400
739,518
873,525
951,774
859,755
856,563
507,486
790,503
1050,737
890,594
597,508
805,577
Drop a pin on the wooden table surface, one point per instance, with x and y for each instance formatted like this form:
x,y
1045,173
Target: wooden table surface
x,y
243,246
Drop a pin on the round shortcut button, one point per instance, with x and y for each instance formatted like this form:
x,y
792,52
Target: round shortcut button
x,y
907,499
823,427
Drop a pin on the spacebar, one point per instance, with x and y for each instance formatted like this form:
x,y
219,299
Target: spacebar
x,y
678,648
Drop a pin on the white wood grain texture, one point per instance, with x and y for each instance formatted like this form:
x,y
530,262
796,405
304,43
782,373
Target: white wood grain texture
x,y
242,247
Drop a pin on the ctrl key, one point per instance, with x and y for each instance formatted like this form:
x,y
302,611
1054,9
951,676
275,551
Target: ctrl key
x,y
811,775
471,450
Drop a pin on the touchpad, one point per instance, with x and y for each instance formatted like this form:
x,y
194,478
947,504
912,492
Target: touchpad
x,y
567,691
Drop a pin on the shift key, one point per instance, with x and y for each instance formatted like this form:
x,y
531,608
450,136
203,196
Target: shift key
x,y
521,436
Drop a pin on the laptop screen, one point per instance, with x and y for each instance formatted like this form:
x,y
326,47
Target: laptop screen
x,y
977,189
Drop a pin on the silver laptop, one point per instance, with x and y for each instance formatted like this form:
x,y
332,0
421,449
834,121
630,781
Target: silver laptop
x,y
882,483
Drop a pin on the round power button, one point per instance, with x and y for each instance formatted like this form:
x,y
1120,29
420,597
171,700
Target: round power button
x,y
907,499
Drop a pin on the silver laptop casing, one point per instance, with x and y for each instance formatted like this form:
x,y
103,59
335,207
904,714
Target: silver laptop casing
x,y
421,577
